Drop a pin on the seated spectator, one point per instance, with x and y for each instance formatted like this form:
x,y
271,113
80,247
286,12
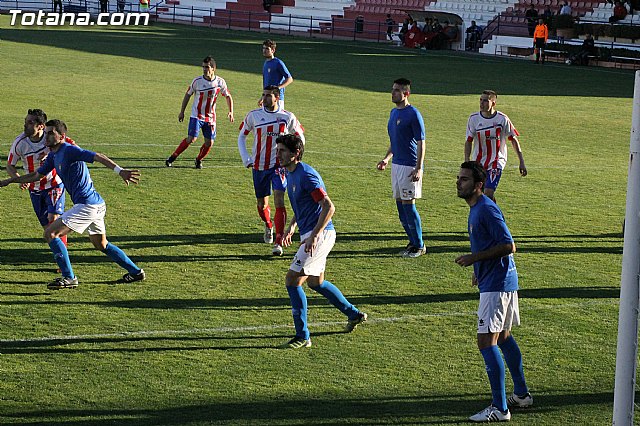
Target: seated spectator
x,y
547,14
588,49
433,39
414,38
565,9
472,36
390,24
532,18
404,29
449,32
619,13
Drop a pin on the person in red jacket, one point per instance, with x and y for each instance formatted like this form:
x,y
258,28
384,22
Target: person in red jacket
x,y
540,36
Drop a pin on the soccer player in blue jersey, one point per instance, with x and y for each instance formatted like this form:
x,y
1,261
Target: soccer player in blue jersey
x,y
312,212
494,272
274,71
406,133
89,208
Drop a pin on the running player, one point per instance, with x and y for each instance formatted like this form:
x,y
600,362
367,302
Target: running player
x,y
406,134
487,132
89,208
267,123
495,274
312,212
274,71
47,195
203,112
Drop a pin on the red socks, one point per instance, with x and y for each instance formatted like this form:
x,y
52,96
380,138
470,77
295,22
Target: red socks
x,y
204,150
280,220
180,149
265,215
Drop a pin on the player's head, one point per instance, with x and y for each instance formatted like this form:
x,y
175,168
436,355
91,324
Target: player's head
x,y
488,100
56,132
268,48
270,96
34,122
208,66
471,178
401,90
289,149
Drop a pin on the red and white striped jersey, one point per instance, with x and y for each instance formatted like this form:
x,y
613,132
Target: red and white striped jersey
x,y
266,127
206,94
489,137
32,155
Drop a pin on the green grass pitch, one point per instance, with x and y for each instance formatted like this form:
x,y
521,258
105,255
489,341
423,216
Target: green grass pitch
x,y
194,344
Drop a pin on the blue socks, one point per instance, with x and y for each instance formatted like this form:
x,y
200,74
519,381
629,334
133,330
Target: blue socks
x,y
513,357
299,311
495,371
61,256
403,220
120,258
337,299
414,224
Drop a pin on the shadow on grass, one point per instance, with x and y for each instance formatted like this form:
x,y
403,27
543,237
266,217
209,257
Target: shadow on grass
x,y
379,410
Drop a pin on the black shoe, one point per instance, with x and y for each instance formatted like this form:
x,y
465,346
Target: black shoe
x,y
63,282
130,278
169,161
198,164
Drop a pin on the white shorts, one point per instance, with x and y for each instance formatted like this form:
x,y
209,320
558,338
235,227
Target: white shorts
x,y
81,217
314,265
402,185
281,103
498,311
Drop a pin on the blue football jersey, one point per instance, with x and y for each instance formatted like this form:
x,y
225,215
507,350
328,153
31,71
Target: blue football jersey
x,y
301,183
274,73
406,128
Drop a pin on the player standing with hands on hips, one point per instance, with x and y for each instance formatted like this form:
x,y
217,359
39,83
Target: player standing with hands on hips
x,y
89,208
495,274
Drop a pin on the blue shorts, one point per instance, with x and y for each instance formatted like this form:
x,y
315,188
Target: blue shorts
x,y
48,202
493,178
208,129
263,180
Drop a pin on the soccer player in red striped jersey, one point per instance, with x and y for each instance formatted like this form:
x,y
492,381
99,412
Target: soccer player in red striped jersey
x,y
206,89
487,133
267,123
47,194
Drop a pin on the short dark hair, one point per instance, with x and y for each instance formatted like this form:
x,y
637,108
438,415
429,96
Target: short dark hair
x,y
209,60
492,95
39,114
274,90
403,82
58,125
293,143
269,43
478,172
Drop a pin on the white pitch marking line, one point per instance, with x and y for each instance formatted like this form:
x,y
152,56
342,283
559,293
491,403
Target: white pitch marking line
x,y
145,333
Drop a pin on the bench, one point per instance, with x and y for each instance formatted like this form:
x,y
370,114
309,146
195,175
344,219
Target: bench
x,y
625,62
514,50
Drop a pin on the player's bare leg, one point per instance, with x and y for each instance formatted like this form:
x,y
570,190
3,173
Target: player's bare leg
x,y
489,192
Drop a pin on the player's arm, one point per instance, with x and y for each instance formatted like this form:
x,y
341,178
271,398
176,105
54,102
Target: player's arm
x,y
516,147
495,252
28,178
12,171
382,164
289,231
242,145
328,209
416,174
229,99
285,83
129,176
468,144
185,102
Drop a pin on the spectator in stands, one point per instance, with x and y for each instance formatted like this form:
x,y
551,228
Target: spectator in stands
x,y
390,24
532,17
121,5
449,33
565,9
404,29
411,24
104,6
540,36
588,49
57,4
266,5
359,22
473,35
619,12
547,15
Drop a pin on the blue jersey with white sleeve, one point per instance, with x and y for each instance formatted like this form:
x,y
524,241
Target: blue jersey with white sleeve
x,y
406,128
274,73
305,189
69,161
487,228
